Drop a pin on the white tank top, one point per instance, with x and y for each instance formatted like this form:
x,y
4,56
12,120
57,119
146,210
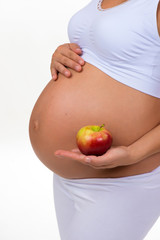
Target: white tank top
x,y
122,41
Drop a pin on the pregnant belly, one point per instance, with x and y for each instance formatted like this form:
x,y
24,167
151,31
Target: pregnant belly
x,y
87,98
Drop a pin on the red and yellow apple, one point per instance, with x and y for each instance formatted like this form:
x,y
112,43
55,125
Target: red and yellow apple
x,y
93,140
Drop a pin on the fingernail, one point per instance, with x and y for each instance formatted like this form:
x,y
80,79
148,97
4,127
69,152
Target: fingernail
x,y
81,62
77,68
53,77
78,49
67,73
57,153
88,160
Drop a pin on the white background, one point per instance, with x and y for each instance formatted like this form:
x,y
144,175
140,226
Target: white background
x,y
30,31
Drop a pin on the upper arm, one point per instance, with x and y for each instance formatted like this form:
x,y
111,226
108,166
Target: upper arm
x,y
158,17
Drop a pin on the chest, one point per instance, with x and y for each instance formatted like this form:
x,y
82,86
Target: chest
x,y
109,4
114,34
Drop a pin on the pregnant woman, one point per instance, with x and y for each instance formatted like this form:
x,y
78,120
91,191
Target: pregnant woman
x,y
115,196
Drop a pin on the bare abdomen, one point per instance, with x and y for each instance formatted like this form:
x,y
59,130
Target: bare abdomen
x,y
87,98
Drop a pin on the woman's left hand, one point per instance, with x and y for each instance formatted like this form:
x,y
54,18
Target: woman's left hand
x,y
114,157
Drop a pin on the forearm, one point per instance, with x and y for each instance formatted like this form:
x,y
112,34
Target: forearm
x,y
146,146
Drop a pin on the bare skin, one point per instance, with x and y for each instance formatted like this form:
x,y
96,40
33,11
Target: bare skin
x,y
61,110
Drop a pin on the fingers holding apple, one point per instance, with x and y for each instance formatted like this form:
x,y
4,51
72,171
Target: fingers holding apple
x,y
73,154
93,141
95,149
114,157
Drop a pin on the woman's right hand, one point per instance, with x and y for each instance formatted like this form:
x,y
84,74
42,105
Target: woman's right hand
x,y
66,55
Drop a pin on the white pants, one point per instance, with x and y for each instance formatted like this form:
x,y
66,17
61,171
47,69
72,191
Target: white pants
x,y
107,208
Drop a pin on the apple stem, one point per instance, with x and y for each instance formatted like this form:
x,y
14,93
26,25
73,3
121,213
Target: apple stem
x,y
102,126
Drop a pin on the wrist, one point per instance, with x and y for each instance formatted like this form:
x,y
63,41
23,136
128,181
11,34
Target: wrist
x,y
135,154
